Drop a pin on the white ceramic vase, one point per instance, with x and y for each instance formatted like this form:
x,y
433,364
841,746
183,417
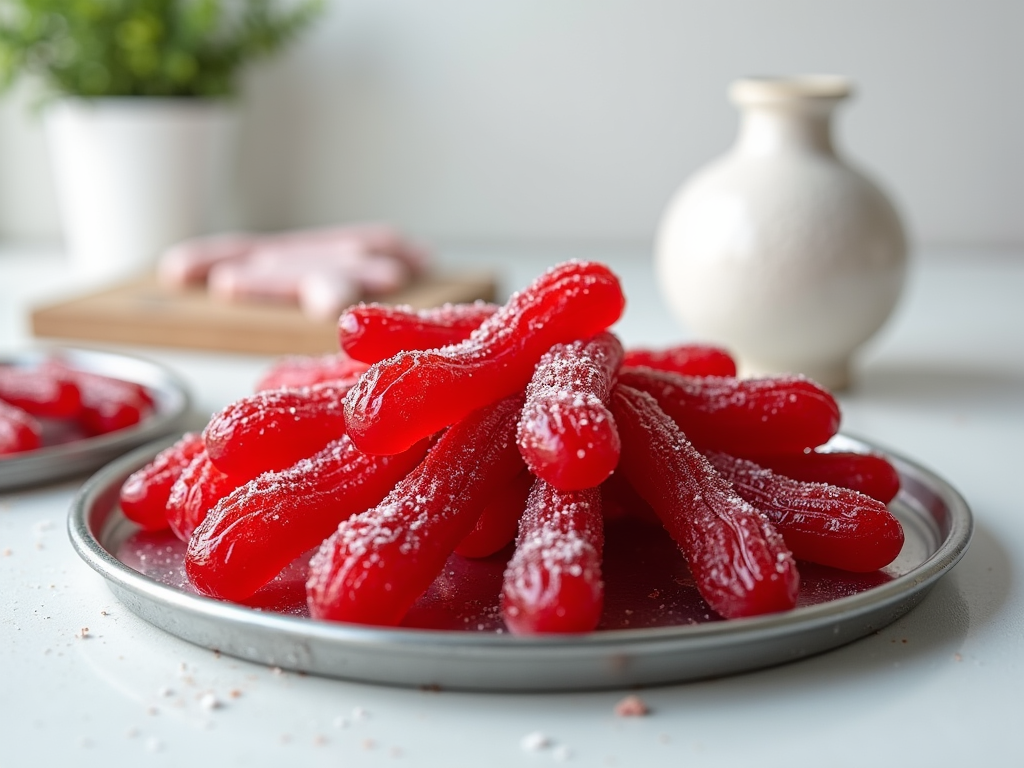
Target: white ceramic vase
x,y
135,174
780,250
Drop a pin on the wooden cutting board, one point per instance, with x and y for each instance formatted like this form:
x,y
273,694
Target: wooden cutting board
x,y
147,313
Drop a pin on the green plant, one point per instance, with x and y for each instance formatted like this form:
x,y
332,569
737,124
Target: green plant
x,y
94,48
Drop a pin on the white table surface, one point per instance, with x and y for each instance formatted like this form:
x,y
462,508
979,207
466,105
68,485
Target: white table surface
x,y
943,384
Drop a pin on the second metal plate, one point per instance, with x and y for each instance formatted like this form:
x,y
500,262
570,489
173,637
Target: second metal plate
x,y
56,462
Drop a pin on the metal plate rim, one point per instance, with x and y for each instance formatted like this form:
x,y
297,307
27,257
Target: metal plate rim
x,y
885,602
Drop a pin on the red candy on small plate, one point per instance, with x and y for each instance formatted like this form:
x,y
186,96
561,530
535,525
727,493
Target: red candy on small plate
x,y
69,411
108,404
40,392
19,431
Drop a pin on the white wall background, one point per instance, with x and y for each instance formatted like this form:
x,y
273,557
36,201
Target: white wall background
x,y
541,121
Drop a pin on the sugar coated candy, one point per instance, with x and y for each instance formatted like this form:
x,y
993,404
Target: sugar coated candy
x,y
372,569
566,432
374,332
553,582
146,492
738,560
273,429
820,523
414,394
256,530
743,417
19,431
685,359
867,473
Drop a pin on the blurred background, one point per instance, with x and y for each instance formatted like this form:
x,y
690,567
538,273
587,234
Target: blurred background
x,y
572,121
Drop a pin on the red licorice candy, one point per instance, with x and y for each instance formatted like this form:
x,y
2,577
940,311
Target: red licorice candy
x,y
684,359
144,495
553,581
867,473
272,430
260,527
19,431
375,332
194,493
298,371
497,525
566,433
414,394
40,392
375,566
820,523
739,562
742,417
108,404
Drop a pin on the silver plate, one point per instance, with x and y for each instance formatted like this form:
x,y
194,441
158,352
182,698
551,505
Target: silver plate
x,y
171,404
835,609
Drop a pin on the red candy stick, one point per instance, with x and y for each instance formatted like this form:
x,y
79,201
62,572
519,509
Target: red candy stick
x,y
414,394
41,393
144,495
739,562
272,430
108,404
498,523
375,566
866,473
298,371
260,527
743,417
566,433
137,391
553,582
820,523
375,332
685,359
19,431
196,491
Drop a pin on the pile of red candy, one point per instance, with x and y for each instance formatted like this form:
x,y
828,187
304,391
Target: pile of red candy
x,y
468,427
77,403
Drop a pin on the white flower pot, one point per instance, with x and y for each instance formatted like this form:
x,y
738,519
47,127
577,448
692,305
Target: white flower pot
x,y
781,250
134,175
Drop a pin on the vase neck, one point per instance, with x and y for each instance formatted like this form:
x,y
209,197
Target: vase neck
x,y
788,113
767,129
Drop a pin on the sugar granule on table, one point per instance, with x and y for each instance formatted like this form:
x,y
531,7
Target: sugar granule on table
x,y
562,753
534,742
